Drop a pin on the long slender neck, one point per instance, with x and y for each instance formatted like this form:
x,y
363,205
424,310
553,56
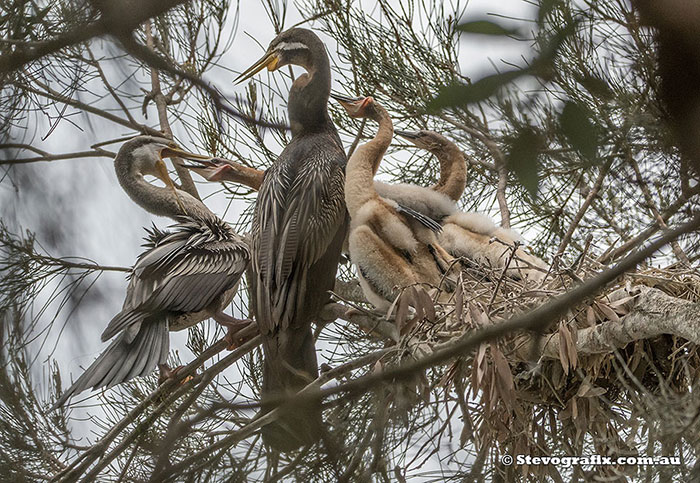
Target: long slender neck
x,y
363,164
453,172
308,97
240,174
160,201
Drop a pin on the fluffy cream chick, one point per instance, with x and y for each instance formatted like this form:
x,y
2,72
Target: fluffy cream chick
x,y
389,248
474,236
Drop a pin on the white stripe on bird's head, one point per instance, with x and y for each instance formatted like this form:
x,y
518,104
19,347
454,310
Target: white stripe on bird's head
x,y
291,46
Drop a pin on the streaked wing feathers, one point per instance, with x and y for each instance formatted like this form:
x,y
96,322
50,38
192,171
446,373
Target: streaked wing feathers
x,y
300,209
184,271
419,217
125,358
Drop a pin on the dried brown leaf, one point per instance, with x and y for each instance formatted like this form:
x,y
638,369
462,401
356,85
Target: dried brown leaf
x,y
554,474
504,376
572,354
608,312
402,311
467,433
563,349
416,301
591,318
408,326
478,369
393,305
428,306
622,301
583,388
592,391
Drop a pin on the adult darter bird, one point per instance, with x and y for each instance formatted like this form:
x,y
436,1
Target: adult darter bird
x,y
299,226
185,276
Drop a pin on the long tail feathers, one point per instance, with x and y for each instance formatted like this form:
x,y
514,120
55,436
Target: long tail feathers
x,y
124,360
290,364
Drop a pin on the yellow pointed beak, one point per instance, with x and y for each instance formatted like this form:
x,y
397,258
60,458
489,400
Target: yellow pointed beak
x,y
165,178
171,151
163,174
270,60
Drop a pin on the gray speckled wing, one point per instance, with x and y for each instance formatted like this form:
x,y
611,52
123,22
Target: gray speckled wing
x,y
299,212
184,271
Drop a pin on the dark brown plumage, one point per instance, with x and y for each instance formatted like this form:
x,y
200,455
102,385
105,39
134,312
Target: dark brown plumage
x,y
298,232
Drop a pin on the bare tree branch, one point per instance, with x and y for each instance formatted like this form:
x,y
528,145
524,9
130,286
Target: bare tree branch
x,y
220,103
682,257
649,231
161,105
118,17
57,96
95,153
584,207
654,313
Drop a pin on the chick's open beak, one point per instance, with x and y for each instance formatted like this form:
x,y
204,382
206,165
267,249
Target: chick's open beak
x,y
346,99
212,169
353,105
270,60
172,151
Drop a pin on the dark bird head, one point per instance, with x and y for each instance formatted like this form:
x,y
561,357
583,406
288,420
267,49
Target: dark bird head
x,y
308,97
143,155
295,46
357,107
428,140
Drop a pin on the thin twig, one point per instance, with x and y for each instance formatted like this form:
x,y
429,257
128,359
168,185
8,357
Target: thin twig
x,y
649,231
97,450
311,389
154,60
677,250
118,17
57,96
96,153
604,170
186,182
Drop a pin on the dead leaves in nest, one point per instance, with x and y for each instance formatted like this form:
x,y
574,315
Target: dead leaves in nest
x,y
568,390
506,402
603,310
418,299
567,347
583,408
492,377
